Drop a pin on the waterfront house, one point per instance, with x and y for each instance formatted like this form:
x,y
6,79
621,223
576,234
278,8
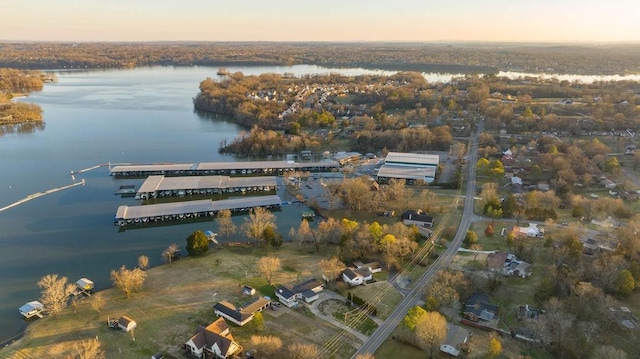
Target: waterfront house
x,y
213,341
241,315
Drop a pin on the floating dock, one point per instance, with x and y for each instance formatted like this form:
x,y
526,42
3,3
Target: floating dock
x,y
129,215
162,186
221,168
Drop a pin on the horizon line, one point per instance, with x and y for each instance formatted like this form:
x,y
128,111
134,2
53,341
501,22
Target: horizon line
x,y
440,42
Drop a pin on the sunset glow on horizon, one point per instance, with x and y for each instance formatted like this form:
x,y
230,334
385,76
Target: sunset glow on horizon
x,y
331,20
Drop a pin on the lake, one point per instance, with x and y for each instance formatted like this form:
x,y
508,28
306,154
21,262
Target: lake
x,y
141,115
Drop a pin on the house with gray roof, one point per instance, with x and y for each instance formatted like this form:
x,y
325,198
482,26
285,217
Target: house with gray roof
x,y
478,309
307,291
241,315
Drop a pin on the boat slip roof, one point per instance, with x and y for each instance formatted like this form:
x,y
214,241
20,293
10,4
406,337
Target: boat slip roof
x,y
167,209
209,166
162,183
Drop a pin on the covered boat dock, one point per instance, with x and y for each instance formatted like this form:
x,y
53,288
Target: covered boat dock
x,y
32,309
221,168
162,186
127,215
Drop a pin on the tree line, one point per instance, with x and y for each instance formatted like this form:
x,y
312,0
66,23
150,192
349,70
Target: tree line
x,y
423,57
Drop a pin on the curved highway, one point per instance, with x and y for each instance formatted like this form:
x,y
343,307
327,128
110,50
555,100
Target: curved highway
x,y
385,329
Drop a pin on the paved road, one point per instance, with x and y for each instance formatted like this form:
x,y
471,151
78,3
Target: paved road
x,y
384,330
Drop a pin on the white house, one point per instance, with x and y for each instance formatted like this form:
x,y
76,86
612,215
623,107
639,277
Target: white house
x,y
308,291
354,276
532,231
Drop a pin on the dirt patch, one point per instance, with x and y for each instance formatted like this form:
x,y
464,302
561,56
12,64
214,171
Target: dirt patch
x,y
331,306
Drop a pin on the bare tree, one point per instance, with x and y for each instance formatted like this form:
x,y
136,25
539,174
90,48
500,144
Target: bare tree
x,y
170,253
331,268
266,345
97,302
268,266
431,330
55,293
259,219
225,224
143,262
128,281
609,352
304,232
87,349
302,351
458,150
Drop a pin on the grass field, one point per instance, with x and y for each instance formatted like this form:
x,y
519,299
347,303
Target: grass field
x,y
175,299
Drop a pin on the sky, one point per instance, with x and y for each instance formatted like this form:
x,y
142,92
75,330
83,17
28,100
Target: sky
x,y
325,20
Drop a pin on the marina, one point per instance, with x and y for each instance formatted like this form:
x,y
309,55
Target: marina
x,y
132,215
162,186
221,168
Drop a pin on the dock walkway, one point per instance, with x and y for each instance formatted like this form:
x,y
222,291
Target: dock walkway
x,y
221,168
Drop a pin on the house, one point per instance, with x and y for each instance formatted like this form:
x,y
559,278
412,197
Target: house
x,y
354,276
508,264
286,296
241,315
478,309
608,184
307,291
532,231
418,218
127,324
593,245
360,273
213,341
456,336
373,267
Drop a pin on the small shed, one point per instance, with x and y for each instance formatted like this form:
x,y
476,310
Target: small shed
x,y
157,356
31,309
246,290
127,324
85,284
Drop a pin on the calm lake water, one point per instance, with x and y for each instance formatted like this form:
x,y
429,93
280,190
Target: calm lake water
x,y
142,115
